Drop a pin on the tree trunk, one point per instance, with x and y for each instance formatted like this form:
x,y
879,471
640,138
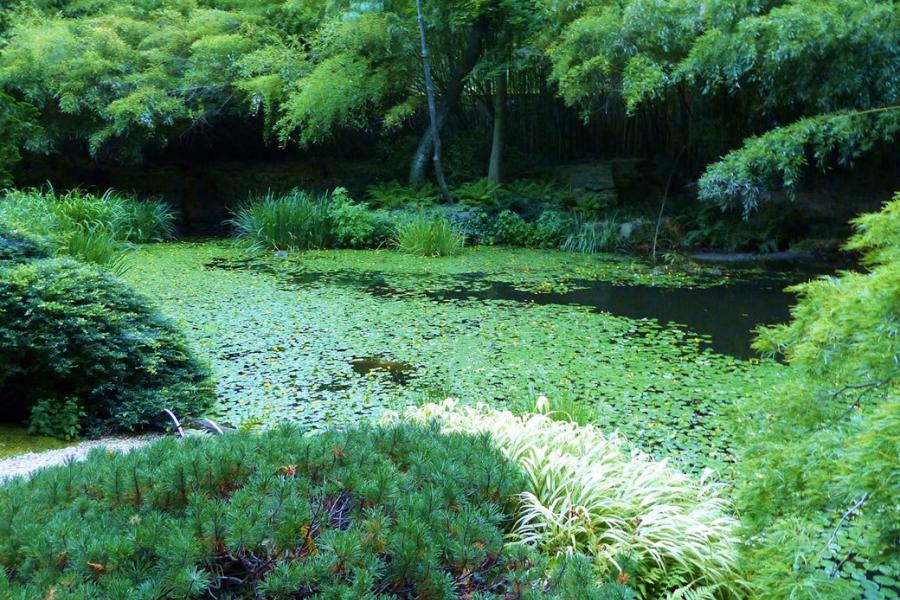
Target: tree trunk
x,y
432,110
452,93
496,162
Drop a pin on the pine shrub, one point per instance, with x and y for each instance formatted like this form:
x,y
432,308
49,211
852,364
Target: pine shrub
x,y
400,512
81,351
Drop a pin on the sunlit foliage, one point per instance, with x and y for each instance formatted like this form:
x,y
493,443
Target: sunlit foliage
x,y
820,474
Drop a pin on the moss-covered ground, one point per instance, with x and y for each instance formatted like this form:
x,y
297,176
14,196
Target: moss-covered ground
x,y
15,440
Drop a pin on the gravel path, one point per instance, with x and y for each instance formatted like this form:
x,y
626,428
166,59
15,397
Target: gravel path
x,y
25,464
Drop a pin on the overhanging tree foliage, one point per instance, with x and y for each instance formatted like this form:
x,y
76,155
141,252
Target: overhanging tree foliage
x,y
815,77
813,80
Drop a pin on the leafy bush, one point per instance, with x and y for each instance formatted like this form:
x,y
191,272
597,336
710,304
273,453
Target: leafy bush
x,y
88,227
394,194
294,221
354,225
16,246
513,230
425,236
552,227
585,494
70,333
476,225
818,472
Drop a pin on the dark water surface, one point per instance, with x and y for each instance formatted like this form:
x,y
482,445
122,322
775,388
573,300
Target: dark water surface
x,y
724,316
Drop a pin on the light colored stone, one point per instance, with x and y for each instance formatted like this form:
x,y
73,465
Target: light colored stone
x,y
26,464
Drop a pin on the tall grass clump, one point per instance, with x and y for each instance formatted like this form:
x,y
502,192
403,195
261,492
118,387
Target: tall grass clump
x,y
428,237
89,227
294,221
586,494
589,237
97,245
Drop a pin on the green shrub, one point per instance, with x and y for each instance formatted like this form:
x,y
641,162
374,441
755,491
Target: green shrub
x,y
401,511
354,225
294,221
55,418
479,227
16,246
513,230
552,227
585,494
394,194
425,236
818,470
69,332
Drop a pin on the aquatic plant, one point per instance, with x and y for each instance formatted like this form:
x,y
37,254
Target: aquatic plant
x,y
585,493
80,350
293,221
279,359
400,512
425,236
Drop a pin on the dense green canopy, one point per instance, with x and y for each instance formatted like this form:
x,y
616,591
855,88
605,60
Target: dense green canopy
x,y
804,83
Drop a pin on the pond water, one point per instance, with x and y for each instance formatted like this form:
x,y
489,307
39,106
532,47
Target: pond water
x,y
335,337
724,316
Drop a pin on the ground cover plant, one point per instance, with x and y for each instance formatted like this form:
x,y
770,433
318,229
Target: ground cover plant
x,y
399,512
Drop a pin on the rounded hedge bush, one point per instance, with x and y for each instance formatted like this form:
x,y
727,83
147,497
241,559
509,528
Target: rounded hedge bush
x,y
81,351
399,512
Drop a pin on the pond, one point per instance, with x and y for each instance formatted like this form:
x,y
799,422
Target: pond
x,y
333,337
723,316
